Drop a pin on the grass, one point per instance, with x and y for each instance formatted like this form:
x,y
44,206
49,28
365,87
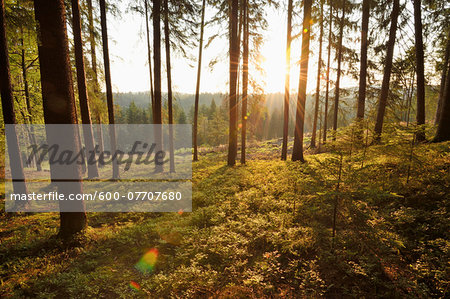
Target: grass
x,y
259,230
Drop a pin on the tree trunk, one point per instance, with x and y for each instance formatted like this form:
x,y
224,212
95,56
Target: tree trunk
x,y
197,88
420,67
157,112
92,44
443,79
286,83
325,116
109,94
100,137
169,84
83,156
149,53
57,91
387,71
297,152
319,68
82,90
9,116
363,63
338,78
27,99
234,54
410,98
244,80
443,130
240,25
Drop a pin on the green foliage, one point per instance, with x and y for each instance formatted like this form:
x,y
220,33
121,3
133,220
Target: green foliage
x,y
261,230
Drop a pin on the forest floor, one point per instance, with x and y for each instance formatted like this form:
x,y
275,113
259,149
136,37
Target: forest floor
x,y
259,230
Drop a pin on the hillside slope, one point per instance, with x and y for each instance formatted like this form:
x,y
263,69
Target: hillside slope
x,y
260,230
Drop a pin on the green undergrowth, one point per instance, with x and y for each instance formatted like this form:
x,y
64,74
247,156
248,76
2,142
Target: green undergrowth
x,y
259,230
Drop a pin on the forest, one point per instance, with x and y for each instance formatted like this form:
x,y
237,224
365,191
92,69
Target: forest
x,y
301,148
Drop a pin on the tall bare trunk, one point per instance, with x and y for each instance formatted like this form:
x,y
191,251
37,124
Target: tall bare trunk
x,y
338,77
420,70
197,88
286,83
149,53
157,109
109,94
443,130
57,90
169,84
100,138
9,115
244,80
29,116
234,55
92,44
443,79
411,92
82,89
363,62
297,152
319,69
387,71
325,116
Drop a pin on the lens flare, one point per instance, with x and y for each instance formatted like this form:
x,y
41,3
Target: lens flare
x,y
148,261
135,286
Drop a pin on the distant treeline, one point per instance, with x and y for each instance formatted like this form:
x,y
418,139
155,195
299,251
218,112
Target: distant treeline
x,y
265,115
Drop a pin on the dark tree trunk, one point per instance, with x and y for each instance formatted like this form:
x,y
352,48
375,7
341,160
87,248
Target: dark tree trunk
x,y
286,83
387,71
240,23
157,112
27,98
9,116
244,80
443,79
83,159
338,78
363,62
297,152
319,68
57,91
109,94
197,88
443,130
327,88
92,44
410,95
169,84
100,137
149,53
234,55
82,89
420,71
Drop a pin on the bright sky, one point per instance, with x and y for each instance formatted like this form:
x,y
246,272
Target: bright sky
x,y
129,69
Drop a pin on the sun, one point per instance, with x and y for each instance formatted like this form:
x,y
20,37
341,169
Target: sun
x,y
273,63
